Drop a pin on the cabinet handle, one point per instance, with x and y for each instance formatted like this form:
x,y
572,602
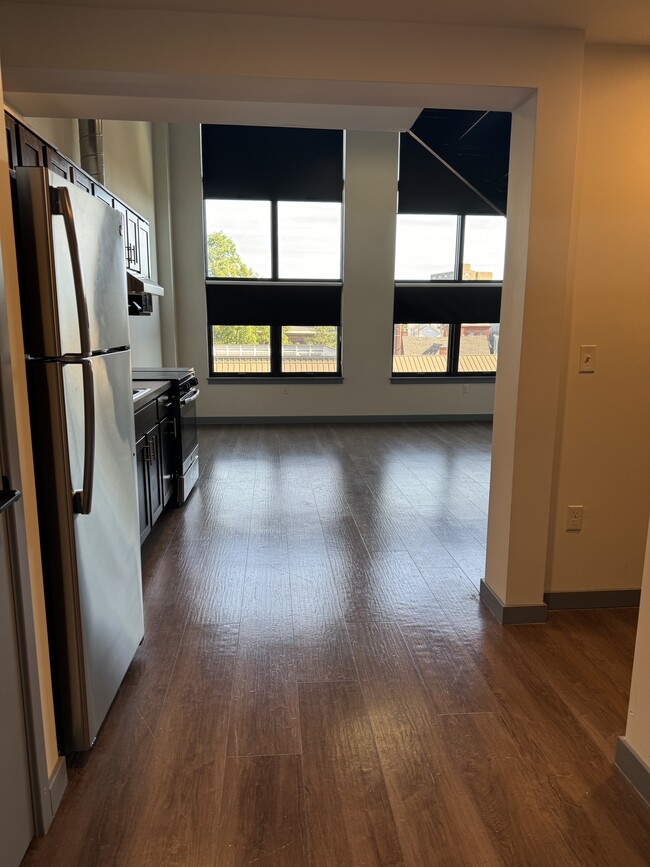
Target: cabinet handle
x,y
153,451
172,422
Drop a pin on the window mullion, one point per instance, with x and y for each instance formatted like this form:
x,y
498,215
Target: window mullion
x,y
453,347
276,350
460,243
274,240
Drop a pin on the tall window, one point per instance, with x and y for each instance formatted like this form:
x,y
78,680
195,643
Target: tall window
x,y
273,250
450,244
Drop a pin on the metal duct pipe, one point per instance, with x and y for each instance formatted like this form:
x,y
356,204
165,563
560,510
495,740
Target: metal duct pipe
x,y
91,147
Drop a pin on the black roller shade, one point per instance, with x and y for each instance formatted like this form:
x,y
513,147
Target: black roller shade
x,y
295,304
449,304
479,153
271,163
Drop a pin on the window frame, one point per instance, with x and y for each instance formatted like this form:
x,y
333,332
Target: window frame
x,y
299,165
275,372
453,351
275,279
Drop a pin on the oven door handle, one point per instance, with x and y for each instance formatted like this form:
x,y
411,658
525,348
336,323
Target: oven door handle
x,y
190,397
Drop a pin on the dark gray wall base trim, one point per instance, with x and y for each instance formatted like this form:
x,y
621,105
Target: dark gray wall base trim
x,y
58,784
511,615
633,768
593,599
339,419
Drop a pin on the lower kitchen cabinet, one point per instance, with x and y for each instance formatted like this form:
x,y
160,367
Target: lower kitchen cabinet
x,y
149,462
155,434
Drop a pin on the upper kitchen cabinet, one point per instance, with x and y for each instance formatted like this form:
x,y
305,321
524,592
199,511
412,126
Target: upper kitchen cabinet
x,y
82,180
12,149
31,150
58,164
132,242
100,193
136,241
26,148
144,249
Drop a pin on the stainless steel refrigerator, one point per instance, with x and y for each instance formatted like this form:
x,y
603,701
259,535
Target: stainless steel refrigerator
x,y
75,323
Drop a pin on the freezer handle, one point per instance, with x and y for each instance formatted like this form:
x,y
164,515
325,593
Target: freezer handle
x,y
65,209
82,500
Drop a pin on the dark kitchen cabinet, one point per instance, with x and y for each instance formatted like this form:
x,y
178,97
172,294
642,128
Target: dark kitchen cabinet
x,y
12,146
100,193
58,164
155,434
82,180
142,472
26,148
31,150
149,462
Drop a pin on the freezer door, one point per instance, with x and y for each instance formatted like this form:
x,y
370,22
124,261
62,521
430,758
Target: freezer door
x,y
62,226
92,561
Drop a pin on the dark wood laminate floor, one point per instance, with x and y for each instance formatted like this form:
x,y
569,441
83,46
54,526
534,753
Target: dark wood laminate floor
x,y
319,684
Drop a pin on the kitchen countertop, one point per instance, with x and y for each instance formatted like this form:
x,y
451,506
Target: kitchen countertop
x,y
155,387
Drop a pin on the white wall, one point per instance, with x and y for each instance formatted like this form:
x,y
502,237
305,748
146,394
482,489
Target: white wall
x,y
603,459
129,174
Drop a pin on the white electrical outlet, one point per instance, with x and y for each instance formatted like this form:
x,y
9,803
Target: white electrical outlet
x,y
573,518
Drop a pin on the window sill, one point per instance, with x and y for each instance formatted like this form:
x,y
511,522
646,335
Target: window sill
x,y
428,379
275,380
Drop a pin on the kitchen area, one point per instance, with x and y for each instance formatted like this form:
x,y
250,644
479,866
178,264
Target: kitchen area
x,y
114,441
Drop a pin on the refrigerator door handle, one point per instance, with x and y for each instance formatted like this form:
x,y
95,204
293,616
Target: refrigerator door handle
x,y
65,210
82,500
8,498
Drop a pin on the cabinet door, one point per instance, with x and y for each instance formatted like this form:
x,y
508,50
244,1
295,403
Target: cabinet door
x,y
143,249
132,242
30,148
82,180
142,474
100,193
12,147
58,164
155,473
121,209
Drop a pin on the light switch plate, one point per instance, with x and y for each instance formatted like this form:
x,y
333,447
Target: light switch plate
x,y
587,359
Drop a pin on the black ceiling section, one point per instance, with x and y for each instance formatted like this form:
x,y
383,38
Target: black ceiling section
x,y
281,304
272,163
479,151
449,304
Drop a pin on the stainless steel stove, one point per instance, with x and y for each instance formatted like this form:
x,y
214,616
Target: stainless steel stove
x,y
184,392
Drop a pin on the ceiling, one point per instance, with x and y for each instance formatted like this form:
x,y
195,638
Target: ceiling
x,y
604,21
43,80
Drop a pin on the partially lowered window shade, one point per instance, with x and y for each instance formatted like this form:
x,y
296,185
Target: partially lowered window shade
x,y
309,304
452,304
475,144
271,163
